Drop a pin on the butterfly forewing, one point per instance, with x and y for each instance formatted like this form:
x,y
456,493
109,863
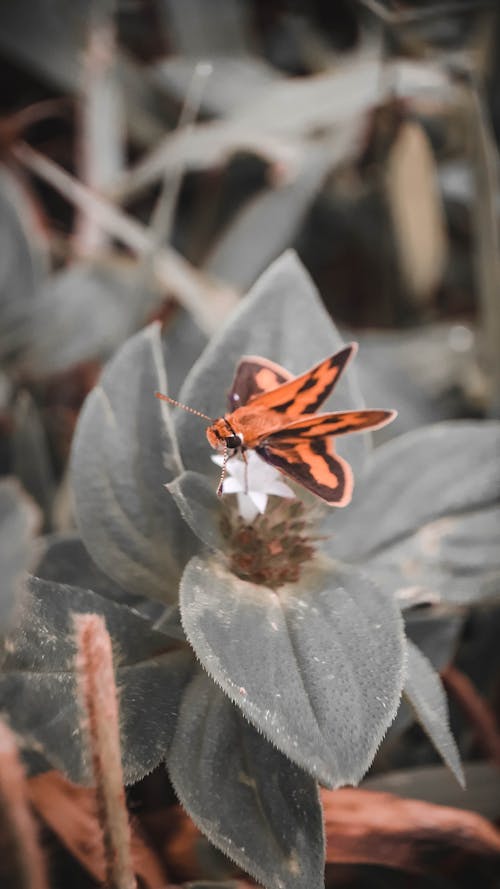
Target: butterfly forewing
x,y
339,423
304,394
253,377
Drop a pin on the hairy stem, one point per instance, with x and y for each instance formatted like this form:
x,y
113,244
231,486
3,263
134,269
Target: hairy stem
x,y
22,865
99,704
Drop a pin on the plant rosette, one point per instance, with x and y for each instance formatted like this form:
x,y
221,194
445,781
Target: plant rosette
x,y
259,637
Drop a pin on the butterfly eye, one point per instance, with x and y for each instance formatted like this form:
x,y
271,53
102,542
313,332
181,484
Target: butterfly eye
x,y
233,441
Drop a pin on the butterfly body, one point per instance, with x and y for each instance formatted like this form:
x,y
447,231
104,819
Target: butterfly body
x,y
274,414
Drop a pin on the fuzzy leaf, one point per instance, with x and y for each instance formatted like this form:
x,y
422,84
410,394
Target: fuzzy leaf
x,y
270,822
283,319
85,312
19,518
124,452
317,667
425,693
65,560
183,342
437,471
270,219
21,269
199,506
454,559
37,684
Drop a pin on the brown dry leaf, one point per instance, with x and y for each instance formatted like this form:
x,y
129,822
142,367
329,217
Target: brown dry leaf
x,y
417,211
69,811
368,827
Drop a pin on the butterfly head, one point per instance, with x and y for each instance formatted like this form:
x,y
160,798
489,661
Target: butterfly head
x,y
221,436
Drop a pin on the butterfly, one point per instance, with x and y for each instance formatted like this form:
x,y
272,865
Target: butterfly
x,y
274,413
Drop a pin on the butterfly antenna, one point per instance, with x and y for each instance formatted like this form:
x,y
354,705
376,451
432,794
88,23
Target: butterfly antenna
x,y
225,456
190,410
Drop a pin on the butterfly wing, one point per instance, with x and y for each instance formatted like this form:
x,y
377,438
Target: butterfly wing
x,y
313,464
303,394
253,377
305,451
338,423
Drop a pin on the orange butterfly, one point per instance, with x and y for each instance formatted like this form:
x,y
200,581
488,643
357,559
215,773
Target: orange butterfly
x,y
273,412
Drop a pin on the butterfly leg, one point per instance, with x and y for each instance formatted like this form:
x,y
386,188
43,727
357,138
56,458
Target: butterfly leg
x,y
245,460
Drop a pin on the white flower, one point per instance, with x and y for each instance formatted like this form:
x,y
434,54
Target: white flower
x,y
252,484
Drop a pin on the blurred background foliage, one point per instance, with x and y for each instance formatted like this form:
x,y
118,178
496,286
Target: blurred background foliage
x,y
156,155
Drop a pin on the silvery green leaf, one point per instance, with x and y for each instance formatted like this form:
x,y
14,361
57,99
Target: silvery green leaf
x,y
183,342
199,506
269,221
436,784
19,519
435,632
270,820
21,269
85,312
424,691
37,683
124,452
283,319
454,559
31,458
64,559
316,666
432,473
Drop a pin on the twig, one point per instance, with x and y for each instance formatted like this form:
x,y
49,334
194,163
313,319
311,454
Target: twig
x,y
476,709
409,16
208,303
162,216
21,861
485,165
101,122
96,684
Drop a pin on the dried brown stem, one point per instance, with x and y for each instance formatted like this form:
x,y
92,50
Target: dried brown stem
x,y
476,709
22,864
99,703
207,302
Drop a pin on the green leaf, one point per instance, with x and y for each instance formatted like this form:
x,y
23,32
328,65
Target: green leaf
x,y
21,268
437,471
453,559
65,560
85,312
124,452
19,519
37,684
182,343
317,666
199,506
246,797
424,691
283,319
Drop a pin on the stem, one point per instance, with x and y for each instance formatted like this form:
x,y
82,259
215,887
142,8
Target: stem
x,y
476,709
208,303
101,123
22,864
99,703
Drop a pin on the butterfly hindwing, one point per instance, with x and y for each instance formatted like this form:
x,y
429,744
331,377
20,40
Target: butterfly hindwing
x,y
253,377
305,451
313,464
